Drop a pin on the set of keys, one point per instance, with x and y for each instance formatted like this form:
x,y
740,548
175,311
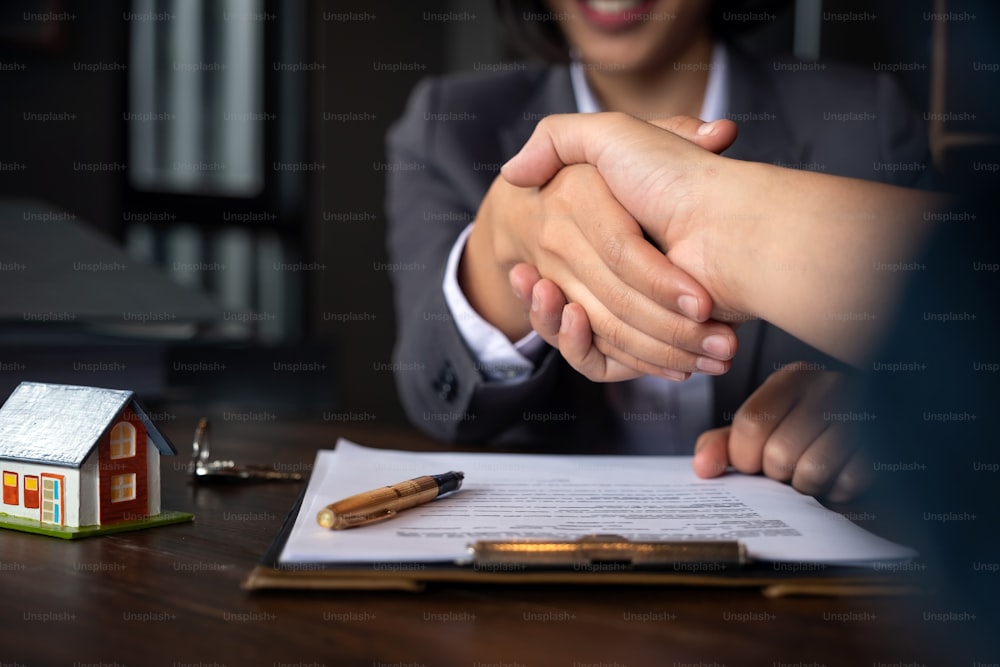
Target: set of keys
x,y
205,470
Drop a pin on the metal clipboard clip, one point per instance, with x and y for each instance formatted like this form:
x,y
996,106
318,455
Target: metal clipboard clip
x,y
204,470
599,552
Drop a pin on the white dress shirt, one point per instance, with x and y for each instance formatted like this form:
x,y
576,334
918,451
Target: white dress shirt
x,y
659,416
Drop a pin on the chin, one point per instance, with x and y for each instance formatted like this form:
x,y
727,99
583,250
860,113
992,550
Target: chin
x,y
631,35
611,64
631,53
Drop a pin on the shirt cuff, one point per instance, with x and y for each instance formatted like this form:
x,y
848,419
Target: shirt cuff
x,y
497,359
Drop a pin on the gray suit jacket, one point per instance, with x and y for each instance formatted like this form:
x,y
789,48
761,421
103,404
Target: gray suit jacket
x,y
448,147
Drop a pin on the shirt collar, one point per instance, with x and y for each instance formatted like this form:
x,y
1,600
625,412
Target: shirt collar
x,y
713,107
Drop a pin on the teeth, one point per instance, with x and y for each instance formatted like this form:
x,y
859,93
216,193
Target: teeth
x,y
613,6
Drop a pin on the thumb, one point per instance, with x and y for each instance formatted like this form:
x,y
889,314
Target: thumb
x,y
711,452
564,139
522,280
716,136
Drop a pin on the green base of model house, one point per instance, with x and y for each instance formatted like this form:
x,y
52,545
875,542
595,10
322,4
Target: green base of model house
x,y
71,533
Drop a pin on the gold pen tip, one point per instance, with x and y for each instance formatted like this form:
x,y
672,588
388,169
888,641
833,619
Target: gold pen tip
x,y
326,518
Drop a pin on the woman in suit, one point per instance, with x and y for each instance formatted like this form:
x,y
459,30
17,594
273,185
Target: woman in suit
x,y
469,366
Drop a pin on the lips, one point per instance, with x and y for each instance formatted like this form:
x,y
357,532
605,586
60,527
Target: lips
x,y
616,14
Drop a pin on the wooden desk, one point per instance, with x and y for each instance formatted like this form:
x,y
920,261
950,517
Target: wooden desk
x,y
171,596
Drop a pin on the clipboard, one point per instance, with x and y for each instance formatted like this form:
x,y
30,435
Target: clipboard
x,y
602,560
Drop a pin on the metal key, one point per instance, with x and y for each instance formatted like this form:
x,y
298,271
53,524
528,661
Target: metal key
x,y
204,470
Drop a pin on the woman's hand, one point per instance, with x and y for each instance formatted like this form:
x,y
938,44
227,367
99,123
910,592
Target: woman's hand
x,y
785,431
646,315
660,173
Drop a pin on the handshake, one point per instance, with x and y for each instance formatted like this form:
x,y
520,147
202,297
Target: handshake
x,y
634,248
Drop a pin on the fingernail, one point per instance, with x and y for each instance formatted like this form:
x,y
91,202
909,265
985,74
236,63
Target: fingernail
x,y
706,129
674,375
536,305
718,346
517,292
567,320
689,306
710,366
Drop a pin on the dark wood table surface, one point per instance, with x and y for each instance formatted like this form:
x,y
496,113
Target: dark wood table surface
x,y
171,596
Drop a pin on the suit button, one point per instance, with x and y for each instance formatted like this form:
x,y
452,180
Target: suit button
x,y
446,383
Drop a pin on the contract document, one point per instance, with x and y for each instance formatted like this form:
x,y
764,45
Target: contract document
x,y
565,497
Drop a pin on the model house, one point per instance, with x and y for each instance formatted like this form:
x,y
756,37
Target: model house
x,y
78,456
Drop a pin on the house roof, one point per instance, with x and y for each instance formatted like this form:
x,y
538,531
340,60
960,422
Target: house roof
x,y
60,424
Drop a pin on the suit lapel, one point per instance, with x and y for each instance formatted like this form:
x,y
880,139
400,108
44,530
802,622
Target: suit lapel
x,y
754,104
554,94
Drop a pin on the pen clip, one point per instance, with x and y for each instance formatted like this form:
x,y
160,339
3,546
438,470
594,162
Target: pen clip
x,y
366,519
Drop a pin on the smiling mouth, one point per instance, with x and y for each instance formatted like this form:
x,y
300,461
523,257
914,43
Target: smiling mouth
x,y
616,14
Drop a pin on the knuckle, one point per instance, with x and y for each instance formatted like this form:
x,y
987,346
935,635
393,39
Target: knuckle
x,y
855,478
679,360
612,330
546,324
588,365
813,475
850,483
621,298
751,424
551,237
615,251
780,458
684,333
627,365
662,286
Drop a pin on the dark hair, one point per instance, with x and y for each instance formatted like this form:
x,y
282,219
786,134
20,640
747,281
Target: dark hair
x,y
534,30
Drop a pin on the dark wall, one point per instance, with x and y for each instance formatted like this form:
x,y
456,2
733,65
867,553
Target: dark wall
x,y
63,84
359,96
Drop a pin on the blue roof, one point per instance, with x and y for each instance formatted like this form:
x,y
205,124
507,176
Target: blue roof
x,y
60,423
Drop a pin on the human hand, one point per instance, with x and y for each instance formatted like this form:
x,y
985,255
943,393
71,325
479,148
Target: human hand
x,y
566,326
784,431
736,226
663,180
648,317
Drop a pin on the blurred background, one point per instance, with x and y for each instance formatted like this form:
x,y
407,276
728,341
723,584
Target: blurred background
x,y
191,191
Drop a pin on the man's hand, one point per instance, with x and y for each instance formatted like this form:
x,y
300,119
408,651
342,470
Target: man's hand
x,y
735,226
588,332
783,430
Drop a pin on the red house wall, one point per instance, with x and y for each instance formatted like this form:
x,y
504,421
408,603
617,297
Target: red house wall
x,y
128,510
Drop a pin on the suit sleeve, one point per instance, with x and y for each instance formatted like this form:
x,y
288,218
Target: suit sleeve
x,y
432,194
902,139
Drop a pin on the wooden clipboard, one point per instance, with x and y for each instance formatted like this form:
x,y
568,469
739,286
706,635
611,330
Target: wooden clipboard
x,y
606,561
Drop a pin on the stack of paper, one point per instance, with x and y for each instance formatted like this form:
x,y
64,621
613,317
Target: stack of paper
x,y
524,496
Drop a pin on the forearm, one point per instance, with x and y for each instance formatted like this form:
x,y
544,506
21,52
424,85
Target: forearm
x,y
810,253
815,254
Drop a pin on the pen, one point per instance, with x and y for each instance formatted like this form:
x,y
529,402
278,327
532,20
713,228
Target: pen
x,y
386,502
